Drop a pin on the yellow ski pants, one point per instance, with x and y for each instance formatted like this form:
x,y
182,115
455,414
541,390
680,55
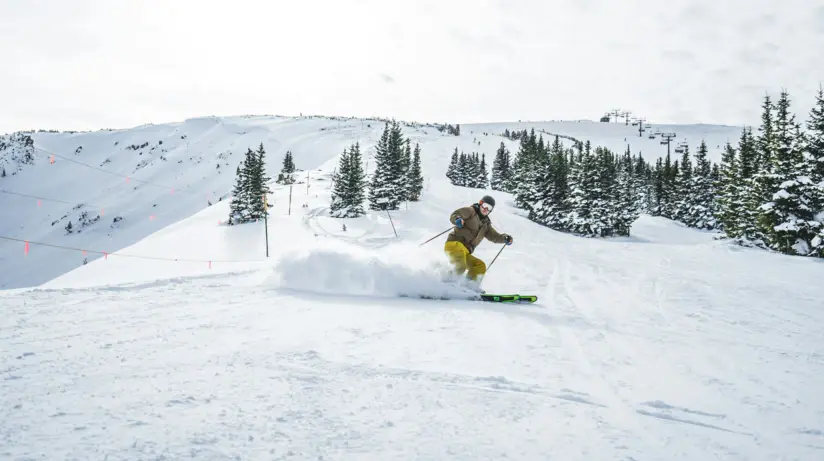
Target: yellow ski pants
x,y
460,258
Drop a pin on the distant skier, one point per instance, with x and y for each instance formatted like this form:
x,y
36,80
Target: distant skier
x,y
472,225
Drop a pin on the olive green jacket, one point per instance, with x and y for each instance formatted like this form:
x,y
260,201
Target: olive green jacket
x,y
476,227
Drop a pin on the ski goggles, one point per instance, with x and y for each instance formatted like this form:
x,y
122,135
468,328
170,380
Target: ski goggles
x,y
487,207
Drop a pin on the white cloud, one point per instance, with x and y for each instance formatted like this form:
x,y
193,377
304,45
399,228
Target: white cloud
x,y
88,65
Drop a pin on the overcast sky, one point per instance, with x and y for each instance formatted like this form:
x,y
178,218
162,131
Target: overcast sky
x,y
82,64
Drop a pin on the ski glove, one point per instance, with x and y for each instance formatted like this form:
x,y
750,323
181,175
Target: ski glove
x,y
507,239
459,222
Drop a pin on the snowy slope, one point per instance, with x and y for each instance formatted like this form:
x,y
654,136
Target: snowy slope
x,y
666,345
187,165
151,176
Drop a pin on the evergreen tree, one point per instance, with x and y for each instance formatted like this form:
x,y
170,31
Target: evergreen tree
x,y
286,175
765,181
452,171
642,179
258,183
584,196
415,177
239,211
700,210
339,186
406,160
815,150
658,188
349,185
500,169
728,190
483,174
683,189
746,198
387,189
626,206
790,207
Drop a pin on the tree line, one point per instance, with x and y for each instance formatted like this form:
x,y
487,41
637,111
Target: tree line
x,y
767,191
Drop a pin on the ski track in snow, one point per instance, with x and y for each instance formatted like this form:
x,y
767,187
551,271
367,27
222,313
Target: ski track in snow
x,y
665,345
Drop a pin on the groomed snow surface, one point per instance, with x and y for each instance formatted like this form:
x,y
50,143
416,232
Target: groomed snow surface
x,y
667,345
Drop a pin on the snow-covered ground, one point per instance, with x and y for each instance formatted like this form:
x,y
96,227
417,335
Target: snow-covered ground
x,y
664,345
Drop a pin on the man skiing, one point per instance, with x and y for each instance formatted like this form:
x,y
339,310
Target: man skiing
x,y
472,225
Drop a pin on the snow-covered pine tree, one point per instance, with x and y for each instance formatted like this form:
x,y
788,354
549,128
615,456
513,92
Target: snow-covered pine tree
x,y
452,170
766,181
349,185
683,188
379,187
658,179
642,178
469,171
699,212
528,165
239,211
551,189
815,150
608,205
483,174
460,171
339,185
385,189
399,146
561,162
287,171
746,198
626,209
475,178
667,195
500,168
406,161
728,190
415,177
258,183
356,179
791,207
583,194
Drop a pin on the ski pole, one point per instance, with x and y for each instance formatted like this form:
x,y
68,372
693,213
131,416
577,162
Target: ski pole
x,y
433,238
496,256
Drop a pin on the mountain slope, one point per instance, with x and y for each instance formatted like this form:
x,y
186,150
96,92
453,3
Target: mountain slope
x,y
118,186
135,182
664,345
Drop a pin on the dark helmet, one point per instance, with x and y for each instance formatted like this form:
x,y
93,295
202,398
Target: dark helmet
x,y
489,200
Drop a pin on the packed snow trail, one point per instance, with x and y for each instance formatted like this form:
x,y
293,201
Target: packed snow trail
x,y
666,345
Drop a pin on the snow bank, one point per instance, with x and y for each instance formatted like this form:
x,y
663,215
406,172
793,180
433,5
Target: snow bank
x,y
341,268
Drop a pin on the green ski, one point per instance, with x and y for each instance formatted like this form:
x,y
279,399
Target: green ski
x,y
510,298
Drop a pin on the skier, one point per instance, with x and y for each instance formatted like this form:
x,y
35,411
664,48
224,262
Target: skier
x,y
472,225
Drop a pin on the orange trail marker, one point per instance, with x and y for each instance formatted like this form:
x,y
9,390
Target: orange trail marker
x,y
51,160
39,203
27,247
